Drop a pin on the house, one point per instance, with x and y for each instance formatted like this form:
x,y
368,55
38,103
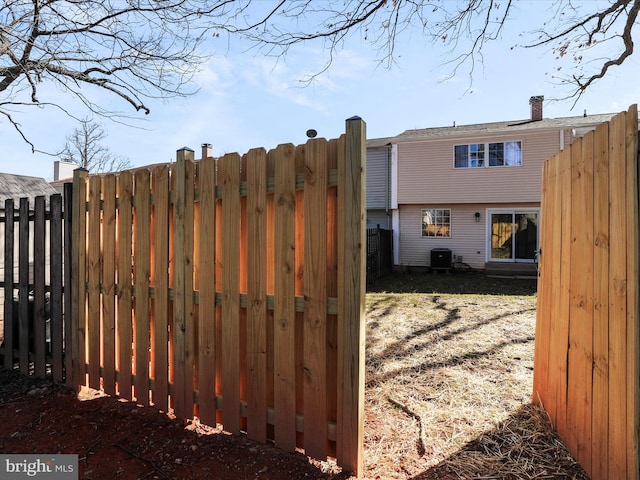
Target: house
x,y
471,193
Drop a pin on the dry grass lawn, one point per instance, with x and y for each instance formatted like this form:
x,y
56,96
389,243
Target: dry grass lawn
x,y
449,380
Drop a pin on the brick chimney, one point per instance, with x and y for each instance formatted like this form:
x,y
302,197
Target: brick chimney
x,y
207,150
536,107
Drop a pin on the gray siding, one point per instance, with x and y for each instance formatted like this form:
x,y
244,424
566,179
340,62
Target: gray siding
x,y
378,217
378,178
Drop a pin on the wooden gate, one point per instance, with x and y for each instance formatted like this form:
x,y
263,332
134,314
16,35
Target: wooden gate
x,y
232,290
587,336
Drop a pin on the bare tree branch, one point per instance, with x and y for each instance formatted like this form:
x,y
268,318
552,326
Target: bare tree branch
x,y
84,147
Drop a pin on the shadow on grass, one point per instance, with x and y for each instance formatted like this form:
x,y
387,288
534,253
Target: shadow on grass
x,y
463,283
522,446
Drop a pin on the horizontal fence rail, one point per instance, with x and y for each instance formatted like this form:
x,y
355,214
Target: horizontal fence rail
x,y
231,289
587,347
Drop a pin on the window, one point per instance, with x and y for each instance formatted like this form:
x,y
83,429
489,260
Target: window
x,y
436,222
501,154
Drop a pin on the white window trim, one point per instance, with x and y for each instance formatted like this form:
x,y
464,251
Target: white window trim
x,y
486,154
450,223
491,211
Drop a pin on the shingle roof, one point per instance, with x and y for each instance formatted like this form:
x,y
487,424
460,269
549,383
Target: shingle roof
x,y
19,186
503,127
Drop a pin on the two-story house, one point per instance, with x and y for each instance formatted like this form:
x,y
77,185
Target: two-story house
x,y
473,191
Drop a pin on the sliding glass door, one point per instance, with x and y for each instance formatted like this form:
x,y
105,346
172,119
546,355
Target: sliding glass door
x,y
513,235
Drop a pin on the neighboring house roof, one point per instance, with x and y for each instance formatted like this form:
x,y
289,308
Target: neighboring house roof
x,y
379,142
20,186
580,123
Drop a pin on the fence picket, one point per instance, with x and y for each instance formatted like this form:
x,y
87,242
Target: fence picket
x,y
56,279
580,361
207,289
229,174
124,326
599,428
315,296
93,285
109,261
39,266
160,262
257,295
142,275
633,293
284,292
23,286
9,279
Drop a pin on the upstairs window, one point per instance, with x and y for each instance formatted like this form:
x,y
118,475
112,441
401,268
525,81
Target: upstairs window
x,y
478,155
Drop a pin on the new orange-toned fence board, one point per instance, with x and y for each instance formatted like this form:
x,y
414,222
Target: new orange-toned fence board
x,y
229,175
256,295
617,300
242,285
600,421
543,324
142,274
207,306
109,284
315,295
579,396
284,312
336,155
589,385
300,234
125,250
633,293
351,292
160,265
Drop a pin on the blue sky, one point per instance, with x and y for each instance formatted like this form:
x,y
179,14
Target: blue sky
x,y
249,100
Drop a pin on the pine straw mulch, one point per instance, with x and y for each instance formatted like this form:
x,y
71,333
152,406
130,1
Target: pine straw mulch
x,y
449,381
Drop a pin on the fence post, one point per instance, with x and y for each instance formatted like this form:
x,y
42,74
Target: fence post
x,y
76,345
351,297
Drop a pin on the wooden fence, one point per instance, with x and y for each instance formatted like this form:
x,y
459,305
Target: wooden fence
x,y
379,253
231,290
586,360
34,271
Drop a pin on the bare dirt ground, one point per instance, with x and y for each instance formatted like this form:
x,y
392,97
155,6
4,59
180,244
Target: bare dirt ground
x,y
448,388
